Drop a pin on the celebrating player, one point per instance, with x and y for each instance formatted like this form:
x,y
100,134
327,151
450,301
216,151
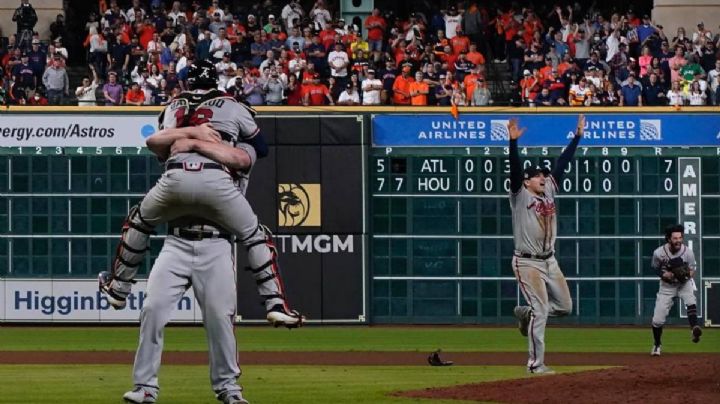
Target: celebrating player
x,y
194,183
675,265
534,217
198,253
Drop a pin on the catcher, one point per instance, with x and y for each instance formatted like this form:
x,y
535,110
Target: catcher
x,y
675,264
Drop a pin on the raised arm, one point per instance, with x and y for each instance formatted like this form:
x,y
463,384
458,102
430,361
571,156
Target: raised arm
x,y
516,175
569,152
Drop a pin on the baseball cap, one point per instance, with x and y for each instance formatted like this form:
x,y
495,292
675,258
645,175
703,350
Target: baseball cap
x,y
36,41
271,17
371,71
531,172
527,72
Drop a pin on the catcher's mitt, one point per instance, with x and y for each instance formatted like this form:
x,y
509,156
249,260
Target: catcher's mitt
x,y
680,269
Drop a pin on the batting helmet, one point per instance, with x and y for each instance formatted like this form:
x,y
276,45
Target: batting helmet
x,y
675,228
202,75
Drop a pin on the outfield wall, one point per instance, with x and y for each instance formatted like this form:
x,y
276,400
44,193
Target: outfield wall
x,y
410,225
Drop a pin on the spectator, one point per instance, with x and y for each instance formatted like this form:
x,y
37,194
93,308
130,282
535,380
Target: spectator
x,y
401,87
135,95
376,26
37,59
443,92
475,57
119,55
316,54
295,39
320,16
543,99
220,45
25,17
225,69
316,93
86,92
349,96
24,76
714,83
701,33
676,63
55,80
252,91
112,90
696,96
481,96
37,99
59,48
57,28
653,91
292,14
580,94
338,61
691,69
293,91
274,89
418,90
272,25
631,93
98,51
676,96
452,22
462,66
371,88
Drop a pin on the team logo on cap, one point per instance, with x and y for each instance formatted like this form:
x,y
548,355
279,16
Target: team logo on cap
x,y
299,205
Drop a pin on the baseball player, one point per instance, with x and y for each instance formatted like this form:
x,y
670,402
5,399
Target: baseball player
x,y
675,265
199,253
194,183
534,217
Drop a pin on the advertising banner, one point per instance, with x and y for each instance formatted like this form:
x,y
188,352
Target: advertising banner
x,y
50,130
78,300
470,130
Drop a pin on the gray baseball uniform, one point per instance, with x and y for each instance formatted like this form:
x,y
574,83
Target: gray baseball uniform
x,y
195,185
668,291
541,281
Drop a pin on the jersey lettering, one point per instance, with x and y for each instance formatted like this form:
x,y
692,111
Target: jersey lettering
x,y
201,116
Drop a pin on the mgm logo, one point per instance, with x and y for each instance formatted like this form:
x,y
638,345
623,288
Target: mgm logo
x,y
299,205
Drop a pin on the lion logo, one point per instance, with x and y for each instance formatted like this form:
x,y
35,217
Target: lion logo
x,y
298,205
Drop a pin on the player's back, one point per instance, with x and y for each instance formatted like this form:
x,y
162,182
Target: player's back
x,y
233,120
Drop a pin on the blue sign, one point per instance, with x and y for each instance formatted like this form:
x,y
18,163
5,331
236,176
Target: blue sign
x,y
638,129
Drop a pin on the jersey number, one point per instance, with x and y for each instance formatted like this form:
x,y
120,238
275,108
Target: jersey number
x,y
199,117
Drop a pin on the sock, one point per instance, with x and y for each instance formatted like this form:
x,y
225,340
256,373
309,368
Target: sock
x,y
657,333
692,315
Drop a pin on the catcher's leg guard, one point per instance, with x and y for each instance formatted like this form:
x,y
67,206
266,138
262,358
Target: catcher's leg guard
x,y
262,257
128,257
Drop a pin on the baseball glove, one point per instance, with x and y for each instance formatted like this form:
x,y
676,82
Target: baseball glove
x,y
680,269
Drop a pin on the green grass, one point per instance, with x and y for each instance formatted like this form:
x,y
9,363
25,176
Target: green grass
x,y
421,339
263,384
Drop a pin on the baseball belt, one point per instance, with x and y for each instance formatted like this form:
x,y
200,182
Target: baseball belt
x,y
197,235
193,166
534,256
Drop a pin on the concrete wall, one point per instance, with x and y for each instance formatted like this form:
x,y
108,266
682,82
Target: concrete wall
x,y
672,14
46,10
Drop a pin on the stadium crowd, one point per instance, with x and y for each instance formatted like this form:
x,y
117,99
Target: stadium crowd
x,y
300,53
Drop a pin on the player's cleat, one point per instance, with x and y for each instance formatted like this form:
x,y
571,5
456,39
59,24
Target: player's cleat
x,y
140,395
116,297
522,313
541,370
696,333
656,350
278,316
234,397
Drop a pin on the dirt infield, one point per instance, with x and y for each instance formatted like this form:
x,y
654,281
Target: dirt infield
x,y
668,379
638,378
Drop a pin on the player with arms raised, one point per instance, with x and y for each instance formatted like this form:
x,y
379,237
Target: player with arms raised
x,y
534,217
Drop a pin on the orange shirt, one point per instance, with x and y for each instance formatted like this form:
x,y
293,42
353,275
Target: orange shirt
x,y
562,67
546,72
318,93
419,99
469,82
135,96
375,34
476,58
459,44
402,84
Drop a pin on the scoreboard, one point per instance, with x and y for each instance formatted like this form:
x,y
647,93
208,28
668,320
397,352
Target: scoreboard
x,y
442,230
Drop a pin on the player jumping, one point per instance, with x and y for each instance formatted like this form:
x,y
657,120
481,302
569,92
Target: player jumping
x,y
195,184
534,218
